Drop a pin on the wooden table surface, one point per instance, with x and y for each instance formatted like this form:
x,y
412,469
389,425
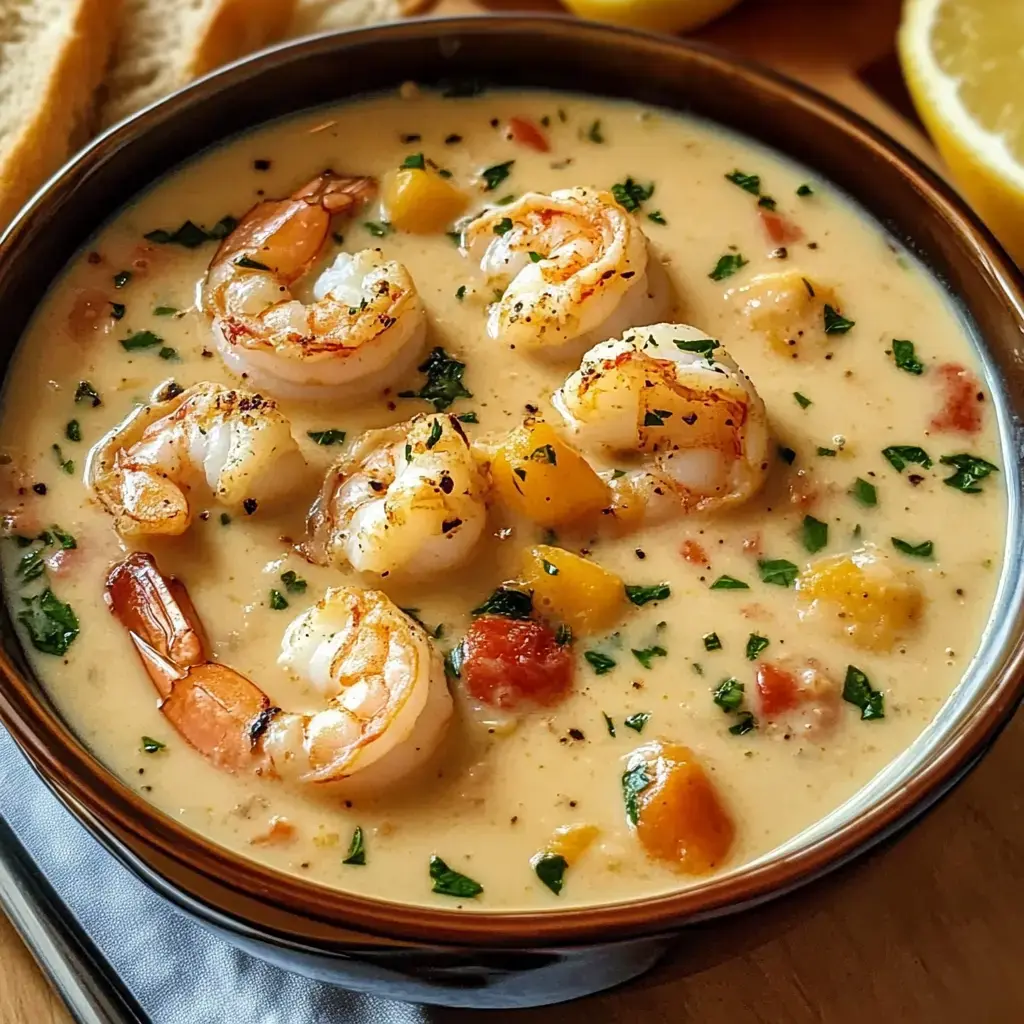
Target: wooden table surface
x,y
928,929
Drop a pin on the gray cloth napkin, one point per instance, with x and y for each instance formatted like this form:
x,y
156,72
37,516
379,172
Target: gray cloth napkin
x,y
180,973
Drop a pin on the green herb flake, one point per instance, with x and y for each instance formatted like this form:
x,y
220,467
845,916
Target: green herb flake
x,y
727,265
767,203
503,227
900,454
377,228
460,292
73,430
449,882
140,340
637,721
117,310
278,601
545,453
468,417
85,392
970,470
755,645
641,595
802,400
609,724
327,437
31,565
494,176
836,323
805,190
225,519
657,217
778,571
453,662
904,357
563,634
549,567
922,550
857,690
415,162
444,381
550,868
634,781
729,583
65,539
121,278
248,263
293,582
711,642
827,453
356,848
631,195
647,654
702,346
594,133
152,746
435,434
745,723
191,235
508,603
51,624
814,533
748,182
600,663
728,695
864,492
67,465
168,353
535,257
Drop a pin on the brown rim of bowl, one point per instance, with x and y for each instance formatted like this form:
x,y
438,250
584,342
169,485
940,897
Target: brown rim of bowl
x,y
80,779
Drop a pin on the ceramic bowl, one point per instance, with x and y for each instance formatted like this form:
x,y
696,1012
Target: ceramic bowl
x,y
518,959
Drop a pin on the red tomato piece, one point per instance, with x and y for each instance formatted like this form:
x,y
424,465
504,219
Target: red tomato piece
x,y
508,662
693,553
526,133
779,229
778,690
961,410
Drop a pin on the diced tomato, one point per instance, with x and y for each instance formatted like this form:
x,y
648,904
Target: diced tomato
x,y
509,662
778,690
780,230
526,133
693,552
961,410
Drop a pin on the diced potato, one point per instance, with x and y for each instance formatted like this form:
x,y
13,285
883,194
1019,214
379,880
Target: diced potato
x,y
421,202
680,818
572,589
862,597
544,478
572,841
788,309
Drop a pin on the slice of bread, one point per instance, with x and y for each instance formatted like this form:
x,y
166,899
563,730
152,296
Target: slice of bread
x,y
163,44
325,15
53,54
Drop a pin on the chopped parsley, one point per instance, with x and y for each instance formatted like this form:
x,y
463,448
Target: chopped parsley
x,y
647,654
778,571
550,868
900,454
727,265
641,595
922,550
599,662
549,567
631,195
468,417
460,292
969,471
545,453
535,257
68,465
248,263
117,310
152,746
191,235
377,228
168,353
748,182
836,323
415,162
815,534
805,190
121,278
866,493
728,695
711,642
444,381
278,601
73,430
609,724
595,134
293,582
86,392
857,690
141,339
802,400
503,227
165,311
225,519
745,722
634,781
755,645
657,217
767,203
656,417
508,603
51,624
435,434
729,583
638,721
326,437
702,346
827,453
356,848
449,882
494,176
904,357
453,662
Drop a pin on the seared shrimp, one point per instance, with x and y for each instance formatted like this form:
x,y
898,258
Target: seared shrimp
x,y
674,396
382,681
405,498
236,443
364,328
576,267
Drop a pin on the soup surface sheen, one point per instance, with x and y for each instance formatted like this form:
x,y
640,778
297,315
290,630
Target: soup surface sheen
x,y
493,795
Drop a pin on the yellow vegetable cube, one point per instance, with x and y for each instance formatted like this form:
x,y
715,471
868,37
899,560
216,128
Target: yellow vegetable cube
x,y
572,841
544,478
573,589
420,201
862,598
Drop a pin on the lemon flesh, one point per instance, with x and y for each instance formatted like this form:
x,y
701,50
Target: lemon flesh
x,y
963,61
655,15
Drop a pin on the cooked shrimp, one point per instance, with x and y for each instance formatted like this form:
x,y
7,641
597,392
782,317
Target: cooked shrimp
x,y
382,682
365,327
797,698
576,267
406,498
236,443
672,395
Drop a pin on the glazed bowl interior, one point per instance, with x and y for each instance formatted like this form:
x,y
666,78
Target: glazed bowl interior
x,y
917,211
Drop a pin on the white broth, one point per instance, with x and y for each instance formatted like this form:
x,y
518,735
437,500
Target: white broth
x,y
492,796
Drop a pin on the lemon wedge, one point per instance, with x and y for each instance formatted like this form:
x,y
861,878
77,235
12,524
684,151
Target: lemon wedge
x,y
656,15
963,60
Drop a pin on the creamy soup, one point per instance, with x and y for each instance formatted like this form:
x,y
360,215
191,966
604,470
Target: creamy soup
x,y
667,651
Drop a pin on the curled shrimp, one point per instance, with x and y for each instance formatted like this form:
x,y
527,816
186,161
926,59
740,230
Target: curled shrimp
x,y
365,325
382,681
407,498
576,266
672,396
236,443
